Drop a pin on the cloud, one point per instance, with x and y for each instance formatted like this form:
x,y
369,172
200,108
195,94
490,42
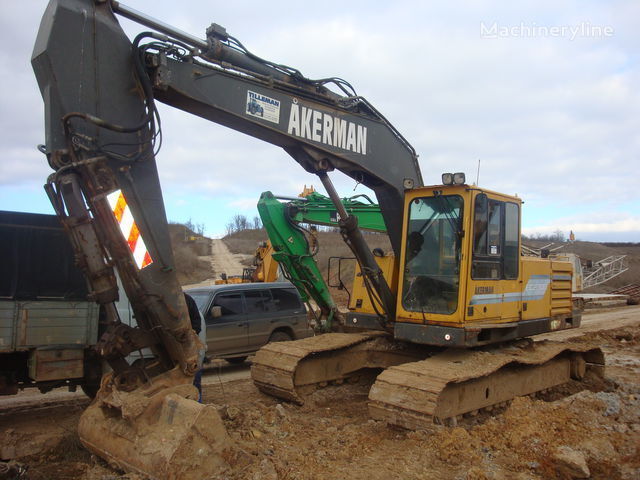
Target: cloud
x,y
243,203
593,226
555,121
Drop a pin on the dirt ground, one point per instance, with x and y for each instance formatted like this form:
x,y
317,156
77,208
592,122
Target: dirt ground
x,y
569,432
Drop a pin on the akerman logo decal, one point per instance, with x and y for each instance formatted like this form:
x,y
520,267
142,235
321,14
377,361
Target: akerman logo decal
x,y
305,122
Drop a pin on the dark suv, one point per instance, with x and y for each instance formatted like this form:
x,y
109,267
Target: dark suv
x,y
241,318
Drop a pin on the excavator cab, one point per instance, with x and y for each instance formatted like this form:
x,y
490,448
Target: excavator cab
x,y
460,279
463,281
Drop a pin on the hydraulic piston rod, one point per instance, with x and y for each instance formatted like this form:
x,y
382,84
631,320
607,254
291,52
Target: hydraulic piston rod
x,y
355,240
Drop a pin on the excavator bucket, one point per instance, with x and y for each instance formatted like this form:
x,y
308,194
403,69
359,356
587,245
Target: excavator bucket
x,y
158,431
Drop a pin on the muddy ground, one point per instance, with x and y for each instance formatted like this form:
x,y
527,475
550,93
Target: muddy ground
x,y
568,432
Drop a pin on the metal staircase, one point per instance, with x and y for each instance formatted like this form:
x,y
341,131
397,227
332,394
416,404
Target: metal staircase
x,y
604,270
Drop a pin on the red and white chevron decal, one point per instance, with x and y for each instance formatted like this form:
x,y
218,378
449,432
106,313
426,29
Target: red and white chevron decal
x,y
129,229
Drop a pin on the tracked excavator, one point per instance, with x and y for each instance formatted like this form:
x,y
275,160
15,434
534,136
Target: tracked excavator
x,y
439,317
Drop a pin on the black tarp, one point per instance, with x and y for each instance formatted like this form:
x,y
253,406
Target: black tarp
x,y
36,259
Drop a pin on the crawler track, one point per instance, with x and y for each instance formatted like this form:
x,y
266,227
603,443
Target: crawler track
x,y
455,382
414,391
292,370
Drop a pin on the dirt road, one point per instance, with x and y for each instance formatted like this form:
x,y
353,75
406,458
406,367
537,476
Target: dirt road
x,y
594,320
222,261
594,433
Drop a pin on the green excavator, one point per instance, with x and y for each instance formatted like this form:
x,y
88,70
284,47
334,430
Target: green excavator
x,y
294,247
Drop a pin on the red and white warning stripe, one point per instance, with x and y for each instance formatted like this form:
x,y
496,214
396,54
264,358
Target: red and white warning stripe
x,y
129,229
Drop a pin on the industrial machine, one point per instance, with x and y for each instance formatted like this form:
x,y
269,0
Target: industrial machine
x,y
455,280
293,247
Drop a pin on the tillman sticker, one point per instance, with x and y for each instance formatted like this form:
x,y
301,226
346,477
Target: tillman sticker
x,y
263,107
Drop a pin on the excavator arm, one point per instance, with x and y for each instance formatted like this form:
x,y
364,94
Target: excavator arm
x,y
103,89
295,251
102,134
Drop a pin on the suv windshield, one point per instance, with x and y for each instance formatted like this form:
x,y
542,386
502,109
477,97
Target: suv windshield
x,y
432,260
201,299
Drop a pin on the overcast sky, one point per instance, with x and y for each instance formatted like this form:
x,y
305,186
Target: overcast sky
x,y
545,93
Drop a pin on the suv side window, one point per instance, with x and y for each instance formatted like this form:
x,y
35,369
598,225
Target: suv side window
x,y
285,299
257,301
231,303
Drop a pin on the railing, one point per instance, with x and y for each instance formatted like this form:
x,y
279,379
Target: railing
x,y
604,270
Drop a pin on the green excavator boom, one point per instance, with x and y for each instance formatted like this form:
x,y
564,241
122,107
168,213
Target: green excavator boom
x,y
295,247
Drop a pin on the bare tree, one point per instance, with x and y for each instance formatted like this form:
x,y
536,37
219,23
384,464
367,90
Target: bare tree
x,y
237,224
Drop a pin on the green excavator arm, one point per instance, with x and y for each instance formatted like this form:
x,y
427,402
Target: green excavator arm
x,y
294,247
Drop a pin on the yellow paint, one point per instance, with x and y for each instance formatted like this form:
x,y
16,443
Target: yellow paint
x,y
542,288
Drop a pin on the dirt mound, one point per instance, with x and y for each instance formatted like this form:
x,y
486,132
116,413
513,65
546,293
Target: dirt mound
x,y
187,249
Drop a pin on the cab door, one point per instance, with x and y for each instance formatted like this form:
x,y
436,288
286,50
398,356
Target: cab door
x,y
494,291
228,333
484,292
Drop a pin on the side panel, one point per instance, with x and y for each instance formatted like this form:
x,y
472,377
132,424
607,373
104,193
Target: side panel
x,y
45,365
484,300
536,293
49,323
8,311
360,301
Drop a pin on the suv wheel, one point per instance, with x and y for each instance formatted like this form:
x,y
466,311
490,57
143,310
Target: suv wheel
x,y
236,360
280,337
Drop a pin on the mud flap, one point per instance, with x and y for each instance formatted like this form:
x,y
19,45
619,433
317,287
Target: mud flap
x,y
164,435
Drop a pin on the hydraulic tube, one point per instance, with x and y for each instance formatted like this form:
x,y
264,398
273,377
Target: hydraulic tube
x,y
354,238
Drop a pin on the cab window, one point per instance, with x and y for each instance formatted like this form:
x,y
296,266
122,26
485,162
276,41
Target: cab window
x,y
496,232
258,301
432,255
285,299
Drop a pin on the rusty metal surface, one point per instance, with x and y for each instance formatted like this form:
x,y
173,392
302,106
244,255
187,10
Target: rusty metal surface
x,y
7,325
46,323
56,364
158,430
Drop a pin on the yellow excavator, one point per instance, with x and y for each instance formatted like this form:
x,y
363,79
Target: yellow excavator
x,y
441,316
463,292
